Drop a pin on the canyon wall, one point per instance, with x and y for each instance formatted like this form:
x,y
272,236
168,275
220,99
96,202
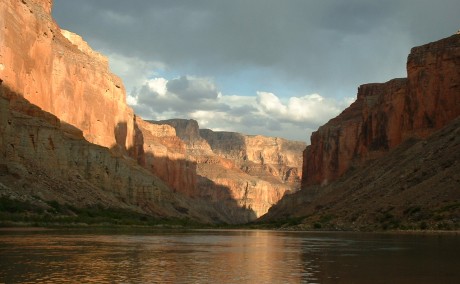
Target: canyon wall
x,y
386,114
259,155
162,152
414,186
46,159
57,71
253,171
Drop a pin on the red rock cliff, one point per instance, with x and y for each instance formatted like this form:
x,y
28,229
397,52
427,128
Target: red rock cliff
x,y
162,152
254,172
57,71
386,114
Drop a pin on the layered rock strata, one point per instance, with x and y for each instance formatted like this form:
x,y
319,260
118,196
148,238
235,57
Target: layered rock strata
x,y
57,71
46,159
162,152
253,171
71,85
269,157
386,114
414,186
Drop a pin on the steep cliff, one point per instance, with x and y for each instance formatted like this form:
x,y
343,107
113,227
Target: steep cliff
x,y
253,171
414,186
384,115
269,157
57,71
54,74
162,152
44,159
391,159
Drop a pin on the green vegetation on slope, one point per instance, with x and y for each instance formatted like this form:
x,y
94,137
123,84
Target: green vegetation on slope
x,y
25,213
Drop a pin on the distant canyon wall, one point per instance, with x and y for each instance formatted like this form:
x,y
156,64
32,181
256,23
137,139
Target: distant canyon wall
x,y
386,114
58,72
42,157
254,171
259,155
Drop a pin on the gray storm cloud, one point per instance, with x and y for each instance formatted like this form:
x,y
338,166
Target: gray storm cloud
x,y
291,49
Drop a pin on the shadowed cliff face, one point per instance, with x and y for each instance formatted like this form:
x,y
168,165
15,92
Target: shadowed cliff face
x,y
414,186
384,115
57,71
60,78
391,159
179,161
272,157
257,171
44,159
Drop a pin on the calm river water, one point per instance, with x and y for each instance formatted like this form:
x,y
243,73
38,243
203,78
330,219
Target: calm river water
x,y
227,257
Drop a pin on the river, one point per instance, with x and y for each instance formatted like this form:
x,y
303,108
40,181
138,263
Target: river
x,y
226,256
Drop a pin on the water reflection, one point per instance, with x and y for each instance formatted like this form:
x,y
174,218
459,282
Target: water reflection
x,y
226,257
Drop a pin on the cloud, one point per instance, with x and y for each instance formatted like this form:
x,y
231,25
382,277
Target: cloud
x,y
182,96
158,86
329,46
192,88
271,103
309,109
133,70
263,113
261,66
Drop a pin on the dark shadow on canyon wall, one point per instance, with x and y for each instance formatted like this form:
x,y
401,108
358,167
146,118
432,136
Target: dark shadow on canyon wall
x,y
121,133
224,142
222,211
220,198
181,177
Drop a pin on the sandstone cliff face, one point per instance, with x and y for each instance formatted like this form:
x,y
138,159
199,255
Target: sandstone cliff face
x,y
260,155
57,71
49,159
189,131
414,186
384,115
165,155
252,171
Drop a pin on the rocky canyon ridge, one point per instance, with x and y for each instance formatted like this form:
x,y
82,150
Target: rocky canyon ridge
x,y
69,140
391,159
68,135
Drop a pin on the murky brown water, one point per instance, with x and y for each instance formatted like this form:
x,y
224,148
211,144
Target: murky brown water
x,y
227,257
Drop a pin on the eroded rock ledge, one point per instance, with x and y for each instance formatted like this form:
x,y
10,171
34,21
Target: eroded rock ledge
x,y
386,114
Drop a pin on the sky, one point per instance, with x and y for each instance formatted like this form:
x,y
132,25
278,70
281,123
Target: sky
x,y
271,67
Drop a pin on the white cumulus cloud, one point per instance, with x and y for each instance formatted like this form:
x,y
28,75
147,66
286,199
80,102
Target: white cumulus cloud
x,y
158,85
263,113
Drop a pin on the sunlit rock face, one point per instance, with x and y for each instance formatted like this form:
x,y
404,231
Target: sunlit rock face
x,y
57,71
164,154
259,155
252,171
42,158
60,104
71,84
386,114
